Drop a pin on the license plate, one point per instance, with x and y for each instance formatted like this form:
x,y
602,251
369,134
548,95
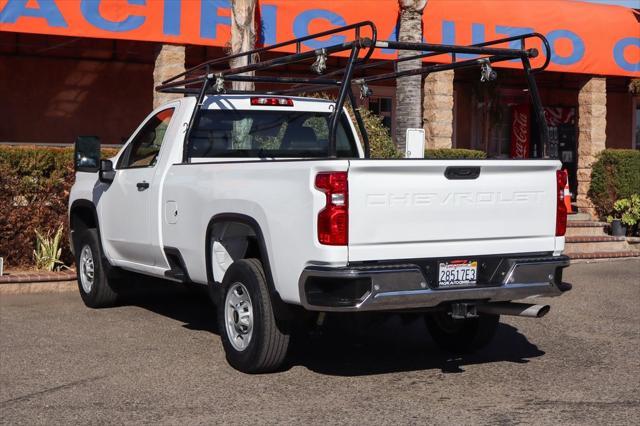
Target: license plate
x,y
458,273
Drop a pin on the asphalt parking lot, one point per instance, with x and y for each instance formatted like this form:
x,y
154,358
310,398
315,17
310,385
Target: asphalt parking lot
x,y
158,359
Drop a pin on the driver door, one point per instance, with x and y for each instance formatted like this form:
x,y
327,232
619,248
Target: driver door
x,y
125,216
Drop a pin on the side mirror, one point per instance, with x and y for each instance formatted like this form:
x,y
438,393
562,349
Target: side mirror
x,y
86,154
106,173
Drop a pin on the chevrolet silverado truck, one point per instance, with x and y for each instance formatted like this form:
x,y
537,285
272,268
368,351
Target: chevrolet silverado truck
x,y
273,202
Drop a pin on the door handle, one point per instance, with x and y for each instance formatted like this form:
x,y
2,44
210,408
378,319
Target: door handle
x,y
455,172
142,185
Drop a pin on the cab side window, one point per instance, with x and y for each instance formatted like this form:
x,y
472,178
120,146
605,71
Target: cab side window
x,y
144,148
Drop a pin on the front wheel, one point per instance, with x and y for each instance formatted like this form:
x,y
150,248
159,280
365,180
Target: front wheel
x,y
252,340
95,287
461,335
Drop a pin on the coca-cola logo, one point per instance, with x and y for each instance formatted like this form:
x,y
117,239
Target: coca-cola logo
x,y
520,129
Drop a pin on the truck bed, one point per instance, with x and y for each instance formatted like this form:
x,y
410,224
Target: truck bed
x,y
405,209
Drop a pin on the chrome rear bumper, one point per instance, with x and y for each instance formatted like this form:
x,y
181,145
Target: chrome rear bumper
x,y
412,285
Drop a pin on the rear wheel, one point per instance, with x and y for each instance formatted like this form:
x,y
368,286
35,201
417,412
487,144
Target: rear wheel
x,y
95,287
461,335
252,340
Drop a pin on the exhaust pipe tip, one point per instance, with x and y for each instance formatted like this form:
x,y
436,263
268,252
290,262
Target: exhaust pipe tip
x,y
543,310
515,309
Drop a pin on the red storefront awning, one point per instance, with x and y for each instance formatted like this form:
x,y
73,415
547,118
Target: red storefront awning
x,y
585,37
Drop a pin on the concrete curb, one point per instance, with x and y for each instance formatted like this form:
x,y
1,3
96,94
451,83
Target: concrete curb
x,y
604,260
36,277
38,287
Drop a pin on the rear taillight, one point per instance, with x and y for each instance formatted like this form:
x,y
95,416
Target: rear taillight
x,y
561,208
272,101
333,220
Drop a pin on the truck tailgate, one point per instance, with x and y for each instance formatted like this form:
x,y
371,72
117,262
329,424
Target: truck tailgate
x,y
410,209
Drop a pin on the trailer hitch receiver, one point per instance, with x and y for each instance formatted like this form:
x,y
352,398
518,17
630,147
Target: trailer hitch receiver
x,y
463,310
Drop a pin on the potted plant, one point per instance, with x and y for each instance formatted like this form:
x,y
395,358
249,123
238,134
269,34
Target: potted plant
x,y
626,214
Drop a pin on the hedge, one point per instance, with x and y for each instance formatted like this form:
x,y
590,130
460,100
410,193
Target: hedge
x,y
615,175
455,154
380,141
34,192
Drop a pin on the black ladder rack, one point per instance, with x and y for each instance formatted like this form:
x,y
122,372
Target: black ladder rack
x,y
211,76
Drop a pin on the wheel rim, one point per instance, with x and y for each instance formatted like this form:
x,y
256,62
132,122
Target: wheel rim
x,y
87,269
239,316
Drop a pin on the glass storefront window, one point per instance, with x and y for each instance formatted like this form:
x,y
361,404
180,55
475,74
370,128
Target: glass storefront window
x,y
374,106
385,105
382,106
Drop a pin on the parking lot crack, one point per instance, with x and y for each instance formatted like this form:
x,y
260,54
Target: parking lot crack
x,y
50,390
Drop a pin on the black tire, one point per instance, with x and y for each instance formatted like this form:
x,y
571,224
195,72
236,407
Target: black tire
x,y
101,292
267,346
461,335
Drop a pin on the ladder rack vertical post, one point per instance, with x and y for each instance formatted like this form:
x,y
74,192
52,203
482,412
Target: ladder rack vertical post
x,y
192,120
344,88
361,126
537,108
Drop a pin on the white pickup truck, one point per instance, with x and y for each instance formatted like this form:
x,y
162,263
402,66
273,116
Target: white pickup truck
x,y
240,193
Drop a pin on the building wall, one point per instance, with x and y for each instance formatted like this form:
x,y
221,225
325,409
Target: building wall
x,y
619,120
463,115
559,97
54,100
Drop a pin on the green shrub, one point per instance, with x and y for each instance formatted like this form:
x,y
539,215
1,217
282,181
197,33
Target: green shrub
x,y
615,175
48,251
34,192
627,210
380,141
454,154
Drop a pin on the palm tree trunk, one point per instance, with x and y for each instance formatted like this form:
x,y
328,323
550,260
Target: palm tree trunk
x,y
243,36
243,39
409,89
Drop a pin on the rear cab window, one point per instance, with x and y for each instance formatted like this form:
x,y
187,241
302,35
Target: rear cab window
x,y
286,134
